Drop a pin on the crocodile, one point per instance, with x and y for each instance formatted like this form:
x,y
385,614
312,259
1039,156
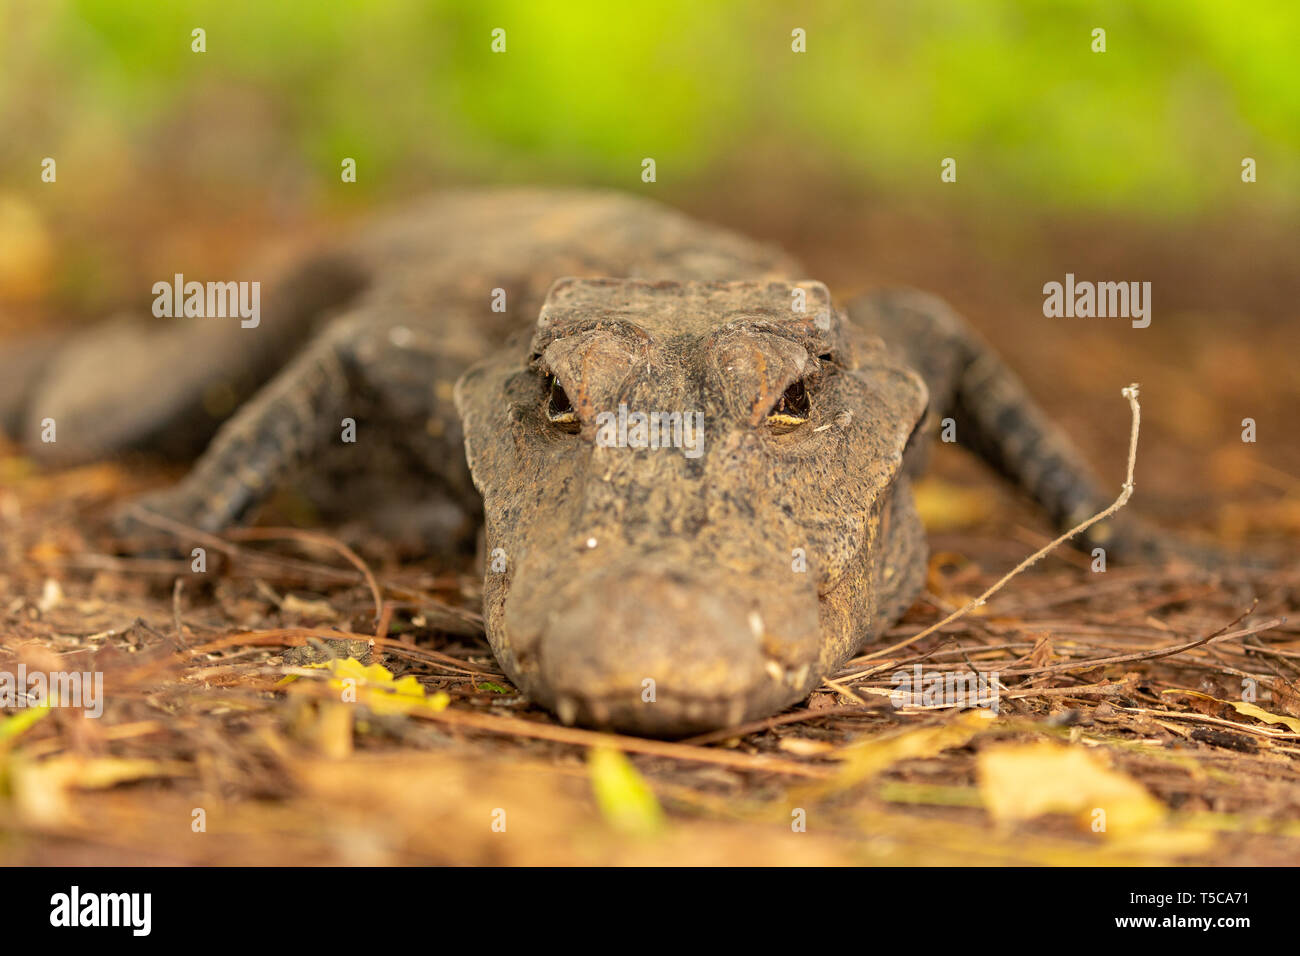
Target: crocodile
x,y
489,340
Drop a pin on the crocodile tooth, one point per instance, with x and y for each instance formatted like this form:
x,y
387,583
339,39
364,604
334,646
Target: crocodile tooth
x,y
756,624
566,708
735,712
773,670
797,677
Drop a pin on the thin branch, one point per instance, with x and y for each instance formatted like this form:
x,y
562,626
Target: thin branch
x,y
1126,492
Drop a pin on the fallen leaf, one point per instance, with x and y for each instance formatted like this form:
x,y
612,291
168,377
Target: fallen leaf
x,y
944,506
1246,710
41,788
1286,696
1041,655
624,798
11,727
865,759
377,689
1023,781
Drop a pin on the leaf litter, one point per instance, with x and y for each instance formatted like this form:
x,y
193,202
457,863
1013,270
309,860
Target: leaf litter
x,y
1122,695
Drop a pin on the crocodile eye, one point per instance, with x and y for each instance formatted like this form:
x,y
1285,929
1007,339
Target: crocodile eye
x,y
558,408
791,409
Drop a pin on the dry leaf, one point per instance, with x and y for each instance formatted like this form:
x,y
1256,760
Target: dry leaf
x,y
1286,696
1246,710
1041,655
865,759
1023,781
41,787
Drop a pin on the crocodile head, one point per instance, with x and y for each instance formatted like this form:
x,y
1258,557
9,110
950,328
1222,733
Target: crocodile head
x,y
689,494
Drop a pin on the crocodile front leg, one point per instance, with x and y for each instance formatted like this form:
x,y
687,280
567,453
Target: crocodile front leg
x,y
144,384
368,377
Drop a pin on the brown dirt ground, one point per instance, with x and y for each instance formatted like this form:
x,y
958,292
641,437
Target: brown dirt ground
x,y
197,716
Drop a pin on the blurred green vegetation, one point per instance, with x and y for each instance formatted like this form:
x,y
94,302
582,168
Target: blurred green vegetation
x,y
1156,126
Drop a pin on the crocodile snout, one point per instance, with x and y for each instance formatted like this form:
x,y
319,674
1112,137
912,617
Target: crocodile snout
x,y
662,654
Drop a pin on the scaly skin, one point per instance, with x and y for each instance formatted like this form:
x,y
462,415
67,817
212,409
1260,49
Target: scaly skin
x,y
635,588
647,590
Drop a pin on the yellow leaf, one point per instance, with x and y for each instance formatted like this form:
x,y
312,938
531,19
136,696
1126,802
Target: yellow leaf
x,y
1022,781
1246,710
1250,710
865,759
625,799
11,727
41,788
377,689
944,506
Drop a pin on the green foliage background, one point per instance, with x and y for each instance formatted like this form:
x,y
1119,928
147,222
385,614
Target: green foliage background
x,y
1156,126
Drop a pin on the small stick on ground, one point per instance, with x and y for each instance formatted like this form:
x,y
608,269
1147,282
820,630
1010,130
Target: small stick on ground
x,y
1126,492
176,612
